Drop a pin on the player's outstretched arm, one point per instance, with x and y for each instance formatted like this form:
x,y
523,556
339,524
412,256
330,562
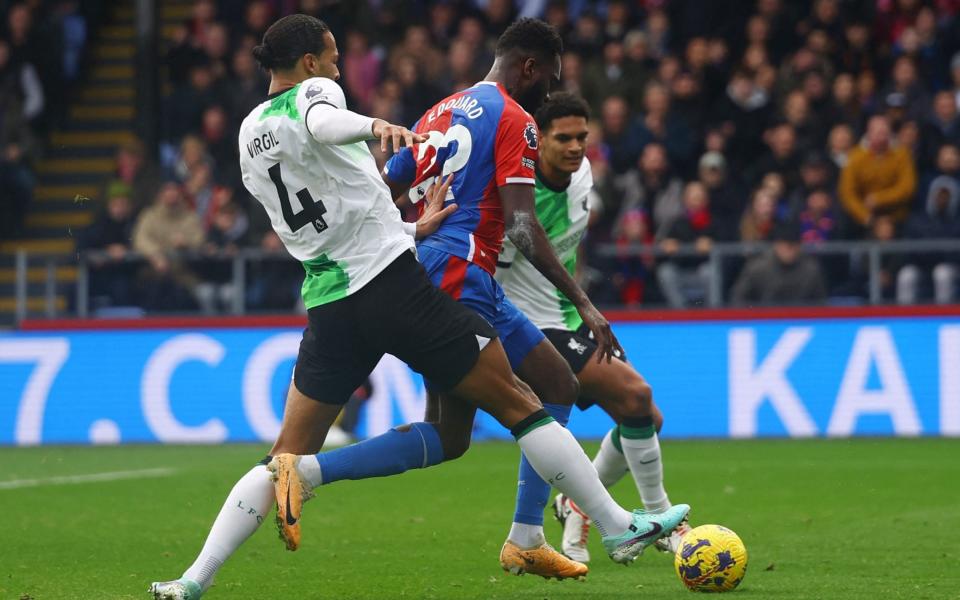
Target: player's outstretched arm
x,y
398,135
329,124
526,233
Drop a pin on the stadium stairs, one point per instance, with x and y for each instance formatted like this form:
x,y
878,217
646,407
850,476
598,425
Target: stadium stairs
x,y
78,160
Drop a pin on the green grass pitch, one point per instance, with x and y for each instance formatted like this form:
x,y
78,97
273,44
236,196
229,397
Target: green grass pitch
x,y
821,519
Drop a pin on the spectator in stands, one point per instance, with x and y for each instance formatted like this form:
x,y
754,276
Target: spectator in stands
x,y
111,274
162,233
221,144
659,124
183,52
216,47
226,236
816,173
727,199
781,156
418,94
653,189
257,18
879,179
462,66
684,280
941,127
361,70
742,114
819,222
844,107
807,126
620,134
632,270
610,77
20,83
18,149
41,47
784,275
245,89
818,217
135,169
185,106
904,80
840,143
759,218
946,165
940,220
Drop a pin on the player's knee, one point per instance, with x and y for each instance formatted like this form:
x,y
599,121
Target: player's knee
x,y
637,398
564,390
455,443
657,420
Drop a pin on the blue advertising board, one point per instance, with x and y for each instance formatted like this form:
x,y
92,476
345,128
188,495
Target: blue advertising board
x,y
745,378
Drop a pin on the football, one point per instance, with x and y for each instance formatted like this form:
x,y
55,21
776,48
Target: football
x,y
711,558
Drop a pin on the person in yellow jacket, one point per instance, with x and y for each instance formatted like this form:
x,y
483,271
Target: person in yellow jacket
x,y
879,177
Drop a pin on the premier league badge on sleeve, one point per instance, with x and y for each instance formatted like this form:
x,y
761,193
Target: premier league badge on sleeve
x,y
315,90
530,134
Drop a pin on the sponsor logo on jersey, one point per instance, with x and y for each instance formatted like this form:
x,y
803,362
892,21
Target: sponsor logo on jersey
x,y
528,163
530,134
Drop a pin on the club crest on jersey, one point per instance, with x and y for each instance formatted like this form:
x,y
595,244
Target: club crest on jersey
x,y
576,346
530,134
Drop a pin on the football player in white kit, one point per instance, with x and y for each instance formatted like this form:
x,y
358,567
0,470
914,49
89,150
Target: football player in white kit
x,y
304,158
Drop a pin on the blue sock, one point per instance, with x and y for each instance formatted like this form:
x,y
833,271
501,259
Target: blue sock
x,y
388,454
533,493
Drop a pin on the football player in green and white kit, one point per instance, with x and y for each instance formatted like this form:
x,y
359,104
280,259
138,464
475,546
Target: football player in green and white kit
x,y
563,188
303,157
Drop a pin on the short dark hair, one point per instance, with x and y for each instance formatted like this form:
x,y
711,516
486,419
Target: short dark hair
x,y
531,35
288,39
558,106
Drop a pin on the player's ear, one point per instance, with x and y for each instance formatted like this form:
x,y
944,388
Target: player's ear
x,y
311,64
529,67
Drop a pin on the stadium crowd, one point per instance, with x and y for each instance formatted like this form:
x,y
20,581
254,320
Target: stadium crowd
x,y
756,120
41,45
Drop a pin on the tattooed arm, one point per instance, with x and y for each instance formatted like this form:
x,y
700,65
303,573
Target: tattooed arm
x,y
526,233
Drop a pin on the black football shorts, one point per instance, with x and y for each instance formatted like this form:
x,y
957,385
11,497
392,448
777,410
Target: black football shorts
x,y
400,313
576,347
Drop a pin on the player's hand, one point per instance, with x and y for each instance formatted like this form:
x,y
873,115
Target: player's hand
x,y
400,136
434,212
609,346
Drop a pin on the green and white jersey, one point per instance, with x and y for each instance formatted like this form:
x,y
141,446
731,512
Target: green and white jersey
x,y
327,202
564,215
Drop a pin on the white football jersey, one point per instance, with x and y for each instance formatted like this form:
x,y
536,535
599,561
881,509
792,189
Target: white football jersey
x,y
564,214
327,202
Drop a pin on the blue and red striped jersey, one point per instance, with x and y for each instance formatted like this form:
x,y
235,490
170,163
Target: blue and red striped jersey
x,y
486,140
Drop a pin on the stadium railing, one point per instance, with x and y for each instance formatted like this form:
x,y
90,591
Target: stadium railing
x,y
870,251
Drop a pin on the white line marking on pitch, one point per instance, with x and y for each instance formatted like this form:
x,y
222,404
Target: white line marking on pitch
x,y
90,478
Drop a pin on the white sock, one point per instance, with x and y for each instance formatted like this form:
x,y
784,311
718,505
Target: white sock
x,y
526,536
560,461
610,463
643,456
309,469
245,508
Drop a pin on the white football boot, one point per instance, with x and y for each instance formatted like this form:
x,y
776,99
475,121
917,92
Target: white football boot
x,y
671,543
576,528
180,589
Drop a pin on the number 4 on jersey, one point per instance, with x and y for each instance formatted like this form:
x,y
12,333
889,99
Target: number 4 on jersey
x,y
313,210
